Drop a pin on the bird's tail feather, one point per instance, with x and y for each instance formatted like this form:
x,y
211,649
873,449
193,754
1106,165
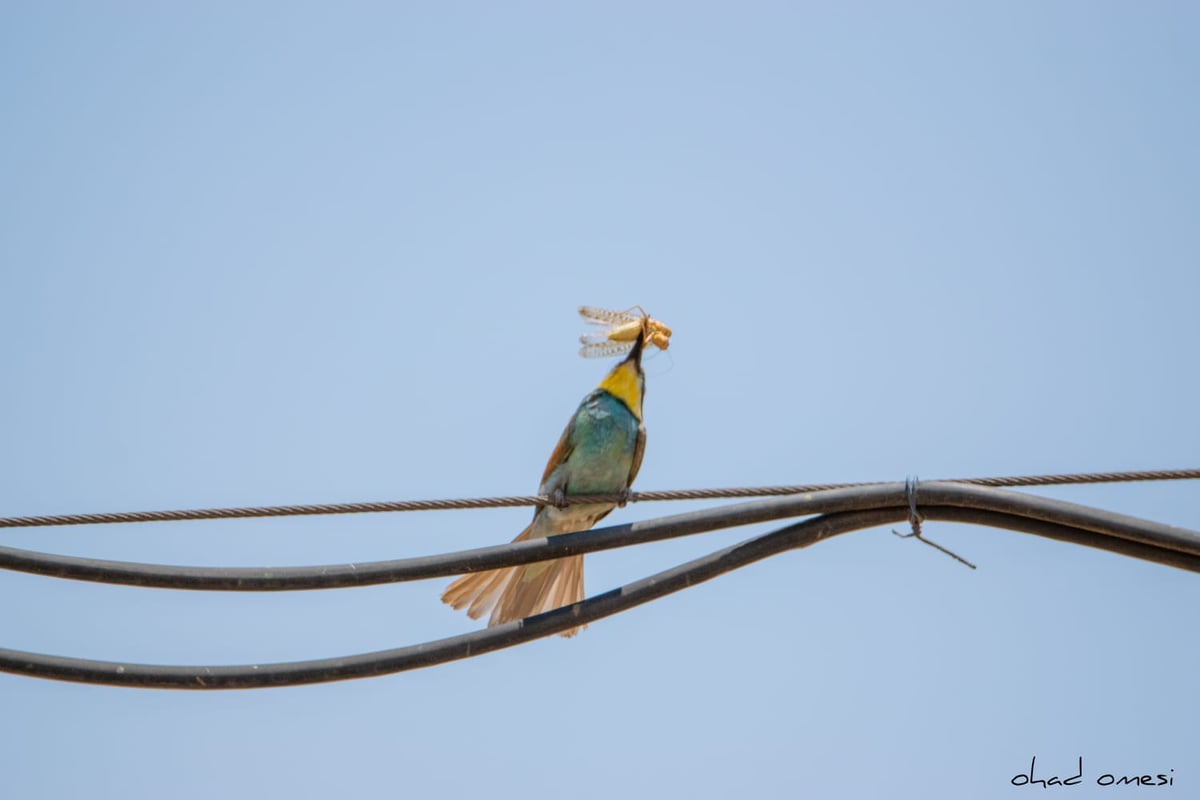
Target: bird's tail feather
x,y
517,592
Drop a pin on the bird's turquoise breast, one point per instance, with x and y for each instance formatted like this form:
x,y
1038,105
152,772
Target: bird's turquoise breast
x,y
604,437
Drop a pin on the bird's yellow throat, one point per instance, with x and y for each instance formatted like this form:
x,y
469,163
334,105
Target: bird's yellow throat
x,y
625,384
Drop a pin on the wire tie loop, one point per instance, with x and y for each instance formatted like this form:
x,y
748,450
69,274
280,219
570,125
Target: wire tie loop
x,y
915,519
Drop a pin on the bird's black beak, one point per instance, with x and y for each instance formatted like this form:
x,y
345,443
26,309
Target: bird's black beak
x,y
636,353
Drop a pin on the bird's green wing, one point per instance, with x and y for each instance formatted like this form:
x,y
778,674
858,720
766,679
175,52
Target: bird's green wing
x,y
639,447
562,451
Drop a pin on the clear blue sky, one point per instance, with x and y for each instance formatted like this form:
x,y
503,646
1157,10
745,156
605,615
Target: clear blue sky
x,y
294,253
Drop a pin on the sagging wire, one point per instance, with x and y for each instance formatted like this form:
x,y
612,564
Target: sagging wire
x,y
840,511
335,576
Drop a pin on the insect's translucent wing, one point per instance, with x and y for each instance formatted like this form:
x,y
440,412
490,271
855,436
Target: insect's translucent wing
x,y
604,316
604,348
599,337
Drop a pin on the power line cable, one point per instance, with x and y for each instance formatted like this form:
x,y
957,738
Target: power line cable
x,y
1164,539
867,508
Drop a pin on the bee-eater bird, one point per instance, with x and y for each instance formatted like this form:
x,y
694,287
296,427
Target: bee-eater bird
x,y
599,453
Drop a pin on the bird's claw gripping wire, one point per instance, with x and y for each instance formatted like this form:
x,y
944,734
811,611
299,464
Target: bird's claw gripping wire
x,y
915,519
559,498
624,497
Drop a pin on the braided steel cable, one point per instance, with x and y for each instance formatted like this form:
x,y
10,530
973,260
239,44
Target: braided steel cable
x,y
539,500
869,508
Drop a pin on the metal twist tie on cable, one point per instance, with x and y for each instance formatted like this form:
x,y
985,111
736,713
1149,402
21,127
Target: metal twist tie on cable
x,y
915,519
